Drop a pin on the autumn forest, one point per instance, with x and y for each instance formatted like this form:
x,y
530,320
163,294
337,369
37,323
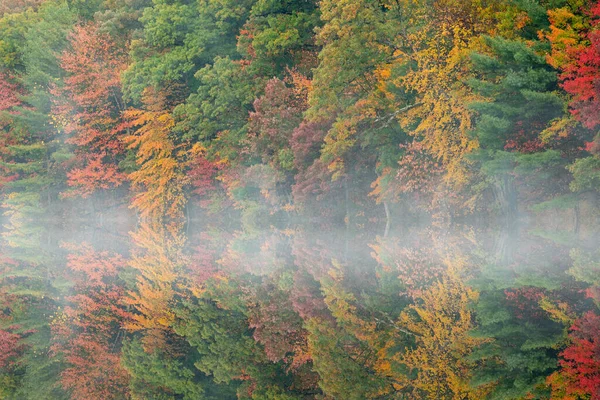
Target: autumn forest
x,y
300,199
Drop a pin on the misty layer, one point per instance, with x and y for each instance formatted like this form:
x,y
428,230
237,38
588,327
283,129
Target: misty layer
x,y
423,313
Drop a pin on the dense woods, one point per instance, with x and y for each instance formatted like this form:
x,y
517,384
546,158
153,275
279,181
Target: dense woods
x,y
351,112
299,107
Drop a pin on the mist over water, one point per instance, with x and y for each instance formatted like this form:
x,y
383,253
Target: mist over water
x,y
107,309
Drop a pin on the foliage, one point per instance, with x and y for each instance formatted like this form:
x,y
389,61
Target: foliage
x,y
88,109
160,179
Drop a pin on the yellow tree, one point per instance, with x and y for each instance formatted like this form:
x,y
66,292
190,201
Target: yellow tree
x,y
434,53
158,262
439,322
159,178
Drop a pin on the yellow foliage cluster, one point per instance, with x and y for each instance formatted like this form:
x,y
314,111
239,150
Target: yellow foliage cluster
x,y
160,179
159,263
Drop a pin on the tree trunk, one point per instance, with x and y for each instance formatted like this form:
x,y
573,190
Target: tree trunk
x,y
347,202
387,219
506,195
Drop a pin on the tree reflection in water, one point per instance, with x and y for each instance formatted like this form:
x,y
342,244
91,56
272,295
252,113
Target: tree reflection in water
x,y
426,313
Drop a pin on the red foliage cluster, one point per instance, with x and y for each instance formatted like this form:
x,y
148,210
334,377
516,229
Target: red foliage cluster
x,y
95,175
95,371
581,76
203,265
313,182
89,105
417,170
306,142
275,325
525,139
9,93
9,98
418,174
10,348
525,302
580,361
593,293
306,296
522,145
88,332
94,265
202,175
277,113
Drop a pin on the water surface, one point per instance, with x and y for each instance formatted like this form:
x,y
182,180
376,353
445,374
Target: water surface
x,y
118,310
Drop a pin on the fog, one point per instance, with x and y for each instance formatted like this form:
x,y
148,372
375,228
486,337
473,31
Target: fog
x,y
138,290
299,200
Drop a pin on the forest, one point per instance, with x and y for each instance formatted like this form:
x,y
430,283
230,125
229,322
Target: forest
x,y
234,159
260,107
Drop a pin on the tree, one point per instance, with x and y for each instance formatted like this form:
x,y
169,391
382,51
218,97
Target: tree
x,y
217,113
355,38
10,350
180,37
276,114
438,365
88,107
159,178
523,350
430,67
574,38
343,363
160,373
87,332
158,263
36,160
10,93
579,376
277,36
276,326
512,73
10,99
417,175
223,340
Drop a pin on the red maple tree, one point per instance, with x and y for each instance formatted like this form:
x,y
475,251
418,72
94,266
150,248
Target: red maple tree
x,y
89,107
579,376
